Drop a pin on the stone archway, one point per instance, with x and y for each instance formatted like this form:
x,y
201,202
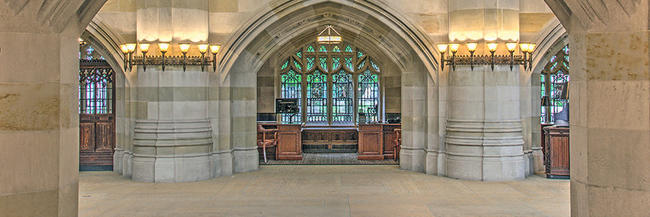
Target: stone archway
x,y
370,24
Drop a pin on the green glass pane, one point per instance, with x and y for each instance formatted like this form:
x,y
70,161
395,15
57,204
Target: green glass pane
x,y
311,49
295,63
336,49
349,64
322,49
336,62
310,63
323,63
284,66
359,54
348,49
299,54
363,63
374,66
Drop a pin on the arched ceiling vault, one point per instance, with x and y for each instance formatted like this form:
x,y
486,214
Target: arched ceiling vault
x,y
370,24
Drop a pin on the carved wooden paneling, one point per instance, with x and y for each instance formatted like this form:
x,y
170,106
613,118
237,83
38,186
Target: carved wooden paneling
x,y
389,139
371,142
86,137
289,142
557,152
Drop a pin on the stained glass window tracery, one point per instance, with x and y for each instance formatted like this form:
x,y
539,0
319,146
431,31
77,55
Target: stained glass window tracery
x,y
554,78
331,73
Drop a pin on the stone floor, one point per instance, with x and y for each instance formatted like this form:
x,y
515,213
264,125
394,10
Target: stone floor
x,y
329,191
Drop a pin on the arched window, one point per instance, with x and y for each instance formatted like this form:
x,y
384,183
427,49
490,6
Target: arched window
x,y
555,80
291,85
332,72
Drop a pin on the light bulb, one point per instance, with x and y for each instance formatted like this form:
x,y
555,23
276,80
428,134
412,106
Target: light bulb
x,y
471,46
531,48
184,47
203,48
442,48
144,47
163,47
124,48
214,49
453,47
523,47
511,46
492,46
131,47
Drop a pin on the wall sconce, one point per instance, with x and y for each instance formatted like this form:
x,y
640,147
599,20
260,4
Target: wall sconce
x,y
163,49
184,48
203,48
144,48
164,60
492,59
214,49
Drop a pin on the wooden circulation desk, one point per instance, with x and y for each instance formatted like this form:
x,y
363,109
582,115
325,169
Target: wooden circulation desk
x,y
556,155
373,141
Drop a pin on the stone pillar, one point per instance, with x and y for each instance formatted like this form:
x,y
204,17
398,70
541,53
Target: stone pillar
x,y
484,133
610,109
243,114
173,135
414,119
484,140
39,119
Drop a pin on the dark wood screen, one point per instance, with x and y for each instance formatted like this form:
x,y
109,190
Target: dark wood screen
x,y
96,117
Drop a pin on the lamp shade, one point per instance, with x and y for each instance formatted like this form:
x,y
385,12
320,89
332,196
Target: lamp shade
x,y
453,47
442,48
131,47
184,47
492,46
524,47
531,48
144,47
471,46
203,48
163,46
214,49
511,46
124,48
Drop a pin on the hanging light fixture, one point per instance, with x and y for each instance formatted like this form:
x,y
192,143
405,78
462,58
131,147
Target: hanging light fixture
x,y
329,35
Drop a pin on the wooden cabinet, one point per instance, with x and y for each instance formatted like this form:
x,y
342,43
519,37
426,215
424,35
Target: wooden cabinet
x,y
329,139
389,139
289,142
556,155
371,142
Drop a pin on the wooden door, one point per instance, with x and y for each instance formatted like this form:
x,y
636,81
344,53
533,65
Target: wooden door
x,y
96,117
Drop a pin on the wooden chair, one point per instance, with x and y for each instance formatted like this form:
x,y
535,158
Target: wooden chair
x,y
267,141
398,144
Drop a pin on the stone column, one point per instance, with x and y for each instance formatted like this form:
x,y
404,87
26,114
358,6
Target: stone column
x,y
39,119
484,133
414,119
610,109
173,135
243,115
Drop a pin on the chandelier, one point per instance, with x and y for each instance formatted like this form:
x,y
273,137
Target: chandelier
x,y
329,35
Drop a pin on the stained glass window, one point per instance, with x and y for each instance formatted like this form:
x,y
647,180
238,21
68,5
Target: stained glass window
x,y
95,87
554,81
291,86
330,72
368,96
342,104
317,97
